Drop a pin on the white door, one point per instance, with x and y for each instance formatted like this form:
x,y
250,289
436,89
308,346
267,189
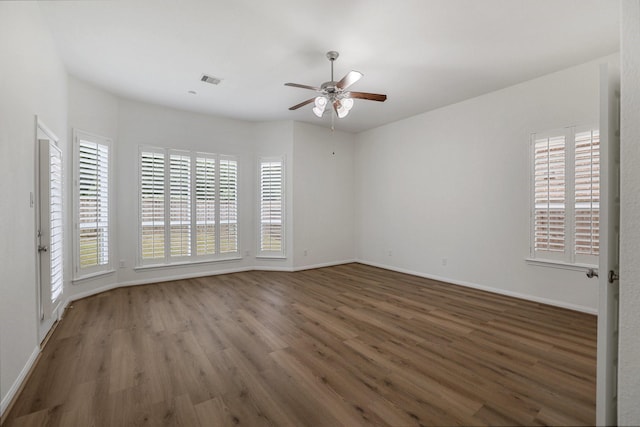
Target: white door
x,y
50,229
607,372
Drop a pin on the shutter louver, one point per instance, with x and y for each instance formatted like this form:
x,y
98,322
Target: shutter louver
x,y
271,206
587,192
228,206
152,204
56,223
93,204
180,204
549,194
206,205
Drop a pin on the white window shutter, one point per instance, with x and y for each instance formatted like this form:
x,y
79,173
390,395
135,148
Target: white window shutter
x,y
57,221
188,206
205,204
93,204
549,194
228,204
587,192
152,210
180,204
271,207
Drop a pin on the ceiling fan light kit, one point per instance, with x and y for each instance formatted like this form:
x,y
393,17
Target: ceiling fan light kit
x,y
334,93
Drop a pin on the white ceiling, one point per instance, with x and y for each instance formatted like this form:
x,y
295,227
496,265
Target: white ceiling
x,y
423,54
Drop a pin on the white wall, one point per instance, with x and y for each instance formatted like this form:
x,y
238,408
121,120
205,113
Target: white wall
x,y
130,124
323,202
145,124
454,184
32,82
272,139
629,368
95,111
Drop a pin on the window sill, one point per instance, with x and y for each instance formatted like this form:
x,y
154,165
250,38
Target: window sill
x,y
184,263
271,257
80,279
559,264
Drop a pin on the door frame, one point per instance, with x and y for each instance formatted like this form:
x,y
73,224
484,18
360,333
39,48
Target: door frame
x,y
42,131
608,289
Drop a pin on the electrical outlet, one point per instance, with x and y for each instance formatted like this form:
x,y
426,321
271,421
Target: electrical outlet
x,y
389,253
123,263
444,261
305,252
247,253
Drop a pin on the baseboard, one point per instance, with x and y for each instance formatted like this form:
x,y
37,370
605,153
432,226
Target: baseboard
x,y
88,293
322,265
268,268
91,292
527,297
7,400
183,276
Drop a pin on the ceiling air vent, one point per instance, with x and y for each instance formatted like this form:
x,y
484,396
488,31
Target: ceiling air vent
x,y
210,79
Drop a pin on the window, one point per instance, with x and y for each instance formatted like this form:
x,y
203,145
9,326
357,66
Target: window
x,y
180,204
228,205
198,194
92,204
566,196
206,204
271,213
152,204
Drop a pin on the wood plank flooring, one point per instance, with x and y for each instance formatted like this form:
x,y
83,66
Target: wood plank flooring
x,y
347,345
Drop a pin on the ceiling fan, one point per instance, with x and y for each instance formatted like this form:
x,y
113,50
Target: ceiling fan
x,y
335,93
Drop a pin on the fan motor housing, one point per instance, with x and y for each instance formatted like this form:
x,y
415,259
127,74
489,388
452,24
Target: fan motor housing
x,y
329,87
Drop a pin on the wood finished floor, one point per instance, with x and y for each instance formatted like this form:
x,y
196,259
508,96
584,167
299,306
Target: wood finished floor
x,y
347,345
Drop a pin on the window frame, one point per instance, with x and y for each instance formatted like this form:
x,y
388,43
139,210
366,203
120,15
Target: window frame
x,y
282,252
168,259
79,272
568,258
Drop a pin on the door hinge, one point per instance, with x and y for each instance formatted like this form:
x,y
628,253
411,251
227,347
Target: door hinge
x,y
613,276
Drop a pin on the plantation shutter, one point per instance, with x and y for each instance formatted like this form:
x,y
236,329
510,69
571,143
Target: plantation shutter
x,y
180,204
587,192
152,211
271,206
205,205
93,204
549,194
56,221
228,205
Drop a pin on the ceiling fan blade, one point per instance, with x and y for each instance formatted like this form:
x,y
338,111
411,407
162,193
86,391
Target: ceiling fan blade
x,y
369,96
349,79
302,86
302,104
